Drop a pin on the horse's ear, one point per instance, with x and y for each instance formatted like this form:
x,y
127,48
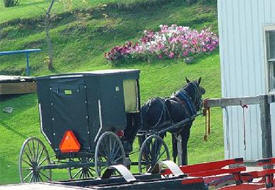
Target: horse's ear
x,y
187,80
199,81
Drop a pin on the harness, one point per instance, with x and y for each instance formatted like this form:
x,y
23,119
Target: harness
x,y
183,97
186,102
164,110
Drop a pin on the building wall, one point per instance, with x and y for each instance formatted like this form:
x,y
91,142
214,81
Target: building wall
x,y
242,54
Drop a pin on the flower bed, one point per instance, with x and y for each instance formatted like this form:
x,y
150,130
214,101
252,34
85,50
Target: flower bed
x,y
170,42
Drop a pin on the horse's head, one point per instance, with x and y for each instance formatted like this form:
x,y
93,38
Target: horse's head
x,y
195,91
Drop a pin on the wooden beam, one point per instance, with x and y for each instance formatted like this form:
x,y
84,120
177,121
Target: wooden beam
x,y
17,88
223,102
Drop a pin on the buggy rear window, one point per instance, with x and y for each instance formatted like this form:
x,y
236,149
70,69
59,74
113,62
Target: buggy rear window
x,y
130,96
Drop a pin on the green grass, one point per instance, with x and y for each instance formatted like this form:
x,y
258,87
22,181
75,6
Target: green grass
x,y
80,38
37,8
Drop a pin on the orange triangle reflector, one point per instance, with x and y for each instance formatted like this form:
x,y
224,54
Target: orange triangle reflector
x,y
69,143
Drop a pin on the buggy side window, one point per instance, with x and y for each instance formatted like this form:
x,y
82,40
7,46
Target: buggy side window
x,y
130,90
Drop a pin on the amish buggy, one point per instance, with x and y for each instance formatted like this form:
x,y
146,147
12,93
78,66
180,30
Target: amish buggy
x,y
91,119
82,116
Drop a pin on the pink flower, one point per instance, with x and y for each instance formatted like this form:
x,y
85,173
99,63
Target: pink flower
x,y
172,41
185,53
171,54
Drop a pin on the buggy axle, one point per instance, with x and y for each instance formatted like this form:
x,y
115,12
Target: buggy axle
x,y
66,165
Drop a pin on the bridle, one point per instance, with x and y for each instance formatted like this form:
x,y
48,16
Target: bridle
x,y
198,100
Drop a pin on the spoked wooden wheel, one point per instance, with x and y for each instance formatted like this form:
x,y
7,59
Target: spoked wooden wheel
x,y
84,172
109,151
152,150
33,155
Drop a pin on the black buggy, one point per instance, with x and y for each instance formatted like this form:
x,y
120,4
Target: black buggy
x,y
83,116
87,118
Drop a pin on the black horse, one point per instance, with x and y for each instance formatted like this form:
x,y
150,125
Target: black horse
x,y
160,113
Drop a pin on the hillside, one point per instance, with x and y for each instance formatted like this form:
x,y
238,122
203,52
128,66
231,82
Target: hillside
x,y
80,36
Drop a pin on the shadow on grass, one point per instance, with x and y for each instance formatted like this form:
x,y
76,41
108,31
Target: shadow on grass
x,y
12,130
19,103
9,97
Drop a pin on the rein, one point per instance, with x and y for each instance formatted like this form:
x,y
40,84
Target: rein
x,y
207,115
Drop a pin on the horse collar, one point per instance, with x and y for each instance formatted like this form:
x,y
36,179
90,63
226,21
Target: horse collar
x,y
183,96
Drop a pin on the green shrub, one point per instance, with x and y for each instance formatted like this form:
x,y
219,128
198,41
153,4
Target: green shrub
x,y
203,1
10,3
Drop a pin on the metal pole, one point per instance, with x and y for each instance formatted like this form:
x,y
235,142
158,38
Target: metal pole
x,y
266,127
28,65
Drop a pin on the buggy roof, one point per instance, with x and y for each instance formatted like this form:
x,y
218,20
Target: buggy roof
x,y
92,73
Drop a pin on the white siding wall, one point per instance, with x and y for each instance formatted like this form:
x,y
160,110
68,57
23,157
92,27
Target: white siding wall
x,y
241,31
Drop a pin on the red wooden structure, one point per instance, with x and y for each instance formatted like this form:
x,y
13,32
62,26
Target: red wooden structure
x,y
231,174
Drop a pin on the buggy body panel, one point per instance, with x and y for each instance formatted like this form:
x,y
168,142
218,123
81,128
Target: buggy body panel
x,y
87,103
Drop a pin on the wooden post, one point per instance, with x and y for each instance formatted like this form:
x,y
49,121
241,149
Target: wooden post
x,y
179,147
266,127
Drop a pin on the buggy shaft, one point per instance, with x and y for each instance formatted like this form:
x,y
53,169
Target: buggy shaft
x,y
67,165
178,124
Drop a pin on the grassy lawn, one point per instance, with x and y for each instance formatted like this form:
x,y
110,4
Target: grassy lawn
x,y
37,8
80,38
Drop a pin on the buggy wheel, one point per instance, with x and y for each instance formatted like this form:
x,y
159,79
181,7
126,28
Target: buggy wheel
x,y
83,172
152,150
109,151
34,155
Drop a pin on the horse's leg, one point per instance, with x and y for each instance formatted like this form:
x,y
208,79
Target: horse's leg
x,y
133,125
185,133
174,145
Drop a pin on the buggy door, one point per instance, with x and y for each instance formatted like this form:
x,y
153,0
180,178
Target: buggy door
x,y
70,111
